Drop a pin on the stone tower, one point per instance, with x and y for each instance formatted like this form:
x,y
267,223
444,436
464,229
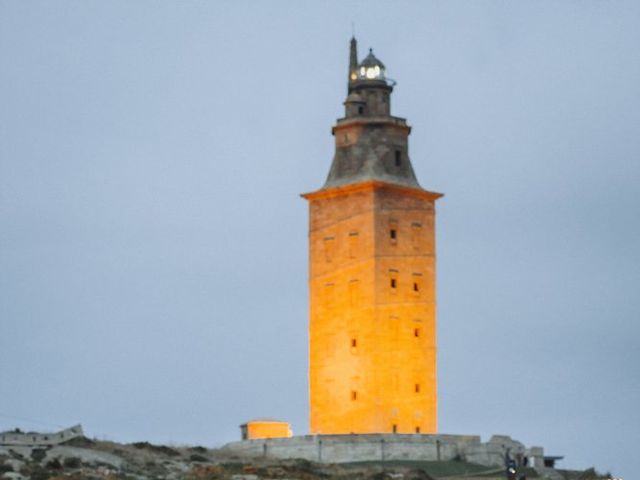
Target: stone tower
x,y
372,331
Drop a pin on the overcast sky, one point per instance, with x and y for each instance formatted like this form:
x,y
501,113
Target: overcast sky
x,y
153,255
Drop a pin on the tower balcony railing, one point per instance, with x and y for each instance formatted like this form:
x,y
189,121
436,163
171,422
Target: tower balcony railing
x,y
402,122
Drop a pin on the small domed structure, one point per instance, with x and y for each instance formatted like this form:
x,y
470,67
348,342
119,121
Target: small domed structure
x,y
371,68
354,104
354,98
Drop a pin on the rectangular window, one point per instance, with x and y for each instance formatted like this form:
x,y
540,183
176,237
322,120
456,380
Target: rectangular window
x,y
398,158
329,248
353,244
394,428
354,395
417,388
416,234
354,342
393,231
416,332
393,280
417,284
417,429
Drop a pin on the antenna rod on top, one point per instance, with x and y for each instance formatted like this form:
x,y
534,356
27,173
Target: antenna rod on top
x,y
353,61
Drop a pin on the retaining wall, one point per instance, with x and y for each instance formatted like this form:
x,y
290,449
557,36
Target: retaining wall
x,y
356,448
19,438
389,447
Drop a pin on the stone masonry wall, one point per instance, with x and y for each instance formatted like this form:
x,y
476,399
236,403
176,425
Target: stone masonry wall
x,y
19,438
389,447
354,448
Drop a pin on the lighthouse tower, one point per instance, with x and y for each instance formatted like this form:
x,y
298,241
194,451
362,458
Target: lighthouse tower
x,y
372,325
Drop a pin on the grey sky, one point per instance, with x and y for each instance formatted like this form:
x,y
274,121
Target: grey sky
x,y
153,254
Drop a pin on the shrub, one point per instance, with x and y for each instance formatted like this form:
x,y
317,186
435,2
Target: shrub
x,y
156,448
39,473
194,457
304,465
72,462
38,454
54,464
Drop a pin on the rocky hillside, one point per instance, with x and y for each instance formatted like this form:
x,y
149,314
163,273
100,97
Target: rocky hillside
x,y
90,459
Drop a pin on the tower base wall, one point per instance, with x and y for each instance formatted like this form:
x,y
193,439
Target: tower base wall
x,y
387,447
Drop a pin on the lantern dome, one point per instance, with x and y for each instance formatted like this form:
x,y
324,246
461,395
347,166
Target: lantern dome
x,y
371,68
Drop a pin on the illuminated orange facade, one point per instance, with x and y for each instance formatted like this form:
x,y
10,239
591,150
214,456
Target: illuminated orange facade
x,y
372,331
265,429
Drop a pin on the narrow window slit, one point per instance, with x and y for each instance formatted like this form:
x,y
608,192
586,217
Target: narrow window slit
x,y
398,158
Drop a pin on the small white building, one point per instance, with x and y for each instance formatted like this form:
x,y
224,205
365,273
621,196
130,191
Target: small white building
x,y
36,439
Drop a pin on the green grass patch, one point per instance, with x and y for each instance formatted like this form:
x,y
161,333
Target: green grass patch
x,y
437,469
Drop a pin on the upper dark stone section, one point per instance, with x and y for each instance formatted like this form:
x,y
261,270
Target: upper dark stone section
x,y
373,151
371,144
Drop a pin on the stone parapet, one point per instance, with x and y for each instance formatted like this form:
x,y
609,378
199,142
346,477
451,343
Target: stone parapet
x,y
390,447
356,448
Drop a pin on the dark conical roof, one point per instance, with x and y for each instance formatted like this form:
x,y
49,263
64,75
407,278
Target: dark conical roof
x,y
370,159
371,60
